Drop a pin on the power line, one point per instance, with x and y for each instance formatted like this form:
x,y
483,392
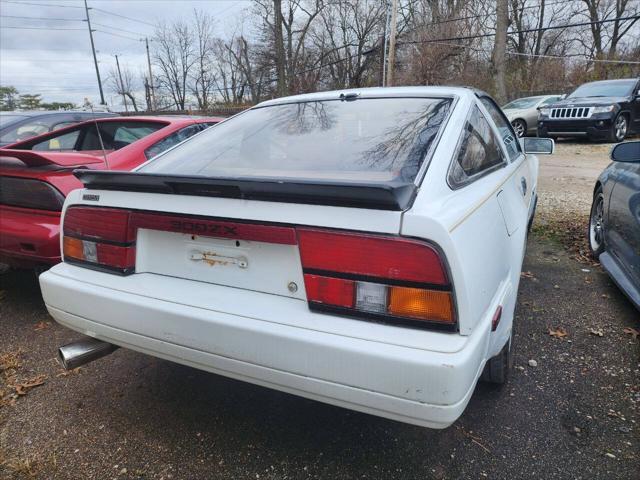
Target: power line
x,y
44,18
114,28
122,16
42,4
528,30
118,35
42,28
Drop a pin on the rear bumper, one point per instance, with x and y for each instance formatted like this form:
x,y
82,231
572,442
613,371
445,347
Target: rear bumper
x,y
29,238
405,383
596,128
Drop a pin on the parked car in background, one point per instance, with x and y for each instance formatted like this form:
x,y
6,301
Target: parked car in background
x,y
18,126
614,225
608,110
523,112
362,248
37,174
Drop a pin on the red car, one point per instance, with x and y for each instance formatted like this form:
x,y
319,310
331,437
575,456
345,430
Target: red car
x,y
37,174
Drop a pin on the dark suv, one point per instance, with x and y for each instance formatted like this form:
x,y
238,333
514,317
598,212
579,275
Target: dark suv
x,y
606,110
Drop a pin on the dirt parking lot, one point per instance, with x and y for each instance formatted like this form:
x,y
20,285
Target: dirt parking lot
x,y
572,415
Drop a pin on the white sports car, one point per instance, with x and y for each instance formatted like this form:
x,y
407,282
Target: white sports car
x,y
361,248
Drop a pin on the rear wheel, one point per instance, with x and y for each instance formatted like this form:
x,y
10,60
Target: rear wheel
x,y
619,128
596,224
497,368
519,127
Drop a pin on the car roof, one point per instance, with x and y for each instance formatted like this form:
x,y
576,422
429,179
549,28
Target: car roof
x,y
44,113
617,80
374,92
171,119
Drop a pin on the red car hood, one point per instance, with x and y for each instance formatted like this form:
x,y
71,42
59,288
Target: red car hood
x,y
39,159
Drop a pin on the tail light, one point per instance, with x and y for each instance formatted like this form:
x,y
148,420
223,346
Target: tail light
x,y
391,279
99,238
386,278
30,193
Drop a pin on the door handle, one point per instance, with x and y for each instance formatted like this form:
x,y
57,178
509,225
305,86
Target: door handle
x,y
523,182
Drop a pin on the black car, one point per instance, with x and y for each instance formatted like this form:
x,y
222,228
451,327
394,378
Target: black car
x,y
607,110
17,126
614,224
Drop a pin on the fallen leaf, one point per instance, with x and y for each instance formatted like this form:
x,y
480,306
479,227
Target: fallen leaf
x,y
596,331
42,325
527,275
558,332
24,387
632,331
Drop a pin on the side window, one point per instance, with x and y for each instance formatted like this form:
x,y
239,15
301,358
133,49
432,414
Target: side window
x,y
478,152
509,138
66,142
25,131
171,140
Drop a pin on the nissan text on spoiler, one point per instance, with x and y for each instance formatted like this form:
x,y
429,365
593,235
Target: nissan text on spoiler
x,y
37,174
360,248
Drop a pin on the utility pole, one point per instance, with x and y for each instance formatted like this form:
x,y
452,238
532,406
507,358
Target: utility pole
x,y
392,43
384,44
153,92
124,97
93,49
282,85
500,49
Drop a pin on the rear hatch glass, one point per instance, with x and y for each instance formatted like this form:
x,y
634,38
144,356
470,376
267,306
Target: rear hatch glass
x,y
377,140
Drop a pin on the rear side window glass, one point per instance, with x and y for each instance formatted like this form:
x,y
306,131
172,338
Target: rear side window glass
x,y
66,142
509,138
361,140
172,140
116,135
25,131
478,152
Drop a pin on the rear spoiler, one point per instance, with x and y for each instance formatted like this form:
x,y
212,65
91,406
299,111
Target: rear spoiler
x,y
395,195
39,159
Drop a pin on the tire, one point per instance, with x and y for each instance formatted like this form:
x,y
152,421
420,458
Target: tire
x,y
520,127
595,232
496,370
619,128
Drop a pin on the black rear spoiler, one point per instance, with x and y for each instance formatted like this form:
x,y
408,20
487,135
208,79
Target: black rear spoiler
x,y
395,195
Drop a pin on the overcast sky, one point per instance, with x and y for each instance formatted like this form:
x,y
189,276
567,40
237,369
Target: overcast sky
x,y
50,52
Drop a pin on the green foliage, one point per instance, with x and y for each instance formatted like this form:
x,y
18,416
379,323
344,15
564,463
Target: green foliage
x,y
29,101
8,100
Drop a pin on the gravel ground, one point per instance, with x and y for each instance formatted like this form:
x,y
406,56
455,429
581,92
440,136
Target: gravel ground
x,y
572,415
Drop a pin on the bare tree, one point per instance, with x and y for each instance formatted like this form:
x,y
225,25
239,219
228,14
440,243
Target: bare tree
x,y
175,56
122,83
203,75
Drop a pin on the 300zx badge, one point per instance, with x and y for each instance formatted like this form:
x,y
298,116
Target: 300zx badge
x,y
203,228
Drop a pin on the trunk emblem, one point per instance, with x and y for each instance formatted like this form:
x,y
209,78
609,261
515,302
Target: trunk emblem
x,y
211,258
293,287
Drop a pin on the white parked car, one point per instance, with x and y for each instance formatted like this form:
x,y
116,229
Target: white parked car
x,y
360,248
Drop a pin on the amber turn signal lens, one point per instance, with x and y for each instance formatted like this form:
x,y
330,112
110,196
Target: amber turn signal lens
x,y
432,305
72,247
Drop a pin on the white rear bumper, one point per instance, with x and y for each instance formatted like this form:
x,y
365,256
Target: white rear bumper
x,y
428,386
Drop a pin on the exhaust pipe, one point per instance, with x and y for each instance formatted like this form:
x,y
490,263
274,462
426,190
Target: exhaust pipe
x,y
84,351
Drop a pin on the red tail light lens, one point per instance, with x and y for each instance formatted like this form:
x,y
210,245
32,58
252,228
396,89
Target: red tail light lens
x,y
100,238
386,278
100,223
371,256
29,193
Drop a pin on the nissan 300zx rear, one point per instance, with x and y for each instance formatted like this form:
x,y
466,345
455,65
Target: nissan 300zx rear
x,y
360,248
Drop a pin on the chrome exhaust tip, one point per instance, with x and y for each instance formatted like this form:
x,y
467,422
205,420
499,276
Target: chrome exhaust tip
x,y
78,353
